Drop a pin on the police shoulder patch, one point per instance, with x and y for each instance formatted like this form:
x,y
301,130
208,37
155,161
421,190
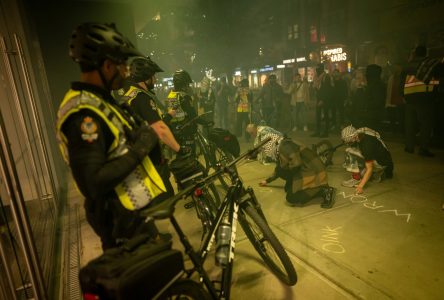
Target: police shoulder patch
x,y
89,129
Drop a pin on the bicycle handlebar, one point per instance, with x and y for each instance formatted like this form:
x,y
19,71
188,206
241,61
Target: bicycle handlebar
x,y
166,208
193,120
333,149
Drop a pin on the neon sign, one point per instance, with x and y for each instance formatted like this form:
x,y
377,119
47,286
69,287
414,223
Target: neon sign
x,y
336,54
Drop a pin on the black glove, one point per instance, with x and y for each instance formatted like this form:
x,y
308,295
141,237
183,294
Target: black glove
x,y
142,140
184,150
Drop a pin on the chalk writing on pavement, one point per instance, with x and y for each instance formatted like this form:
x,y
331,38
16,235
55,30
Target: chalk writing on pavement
x,y
330,237
361,199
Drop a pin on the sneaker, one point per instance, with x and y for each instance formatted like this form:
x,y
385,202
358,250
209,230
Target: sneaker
x,y
305,128
351,182
329,197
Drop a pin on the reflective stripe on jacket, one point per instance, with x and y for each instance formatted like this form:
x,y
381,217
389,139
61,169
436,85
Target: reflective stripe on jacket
x,y
144,183
173,103
243,104
132,93
413,85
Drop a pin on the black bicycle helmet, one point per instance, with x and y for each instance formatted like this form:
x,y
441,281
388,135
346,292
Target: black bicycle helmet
x,y
181,79
142,68
92,43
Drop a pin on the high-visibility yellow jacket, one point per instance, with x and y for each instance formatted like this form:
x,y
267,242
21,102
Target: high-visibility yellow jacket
x,y
140,186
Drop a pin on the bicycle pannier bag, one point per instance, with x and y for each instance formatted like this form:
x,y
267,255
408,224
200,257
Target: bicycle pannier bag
x,y
225,140
138,269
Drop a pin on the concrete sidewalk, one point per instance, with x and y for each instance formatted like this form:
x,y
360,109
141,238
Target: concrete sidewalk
x,y
383,244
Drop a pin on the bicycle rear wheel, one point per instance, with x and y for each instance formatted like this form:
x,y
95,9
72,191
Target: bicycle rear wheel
x,y
267,244
207,204
186,289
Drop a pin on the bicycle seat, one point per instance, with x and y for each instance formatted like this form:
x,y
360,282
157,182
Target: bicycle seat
x,y
160,211
165,209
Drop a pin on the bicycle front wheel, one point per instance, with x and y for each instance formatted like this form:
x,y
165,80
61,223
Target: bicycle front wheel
x,y
186,289
266,244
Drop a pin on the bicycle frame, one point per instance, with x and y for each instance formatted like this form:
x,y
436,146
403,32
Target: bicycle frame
x,y
228,209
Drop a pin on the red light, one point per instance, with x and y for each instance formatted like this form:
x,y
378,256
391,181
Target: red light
x,y
88,296
198,192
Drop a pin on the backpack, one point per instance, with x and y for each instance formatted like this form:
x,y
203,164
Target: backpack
x,y
225,140
138,269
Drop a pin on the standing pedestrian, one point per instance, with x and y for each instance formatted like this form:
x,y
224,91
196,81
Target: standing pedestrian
x,y
324,101
244,100
222,98
298,90
270,98
340,93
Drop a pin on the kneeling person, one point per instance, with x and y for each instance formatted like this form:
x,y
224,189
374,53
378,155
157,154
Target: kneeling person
x,y
304,174
269,150
367,157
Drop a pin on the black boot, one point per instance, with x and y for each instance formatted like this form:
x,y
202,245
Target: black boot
x,y
329,197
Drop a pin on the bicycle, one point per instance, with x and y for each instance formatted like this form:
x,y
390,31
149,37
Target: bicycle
x,y
206,200
239,205
213,155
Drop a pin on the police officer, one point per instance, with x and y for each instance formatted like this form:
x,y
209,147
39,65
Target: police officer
x,y
106,151
180,100
139,95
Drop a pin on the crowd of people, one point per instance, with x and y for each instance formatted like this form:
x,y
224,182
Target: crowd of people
x,y
371,96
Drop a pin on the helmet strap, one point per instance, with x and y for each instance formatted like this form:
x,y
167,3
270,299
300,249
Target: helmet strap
x,y
108,83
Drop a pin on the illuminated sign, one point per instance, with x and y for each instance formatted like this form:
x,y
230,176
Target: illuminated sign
x,y
167,79
335,54
280,66
288,61
253,71
299,59
237,73
266,68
